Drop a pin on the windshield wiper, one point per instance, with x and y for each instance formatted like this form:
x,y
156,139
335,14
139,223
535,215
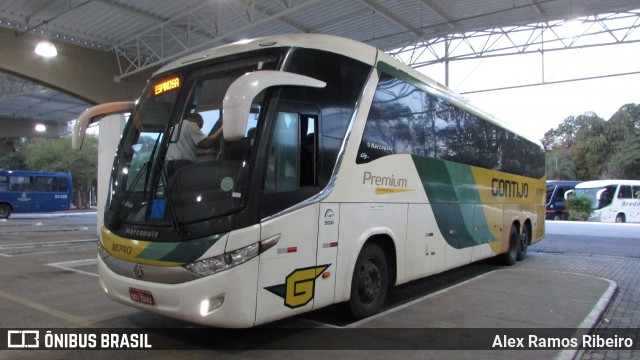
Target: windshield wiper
x,y
169,196
116,217
146,170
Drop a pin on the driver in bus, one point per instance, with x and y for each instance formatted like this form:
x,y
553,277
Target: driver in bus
x,y
185,150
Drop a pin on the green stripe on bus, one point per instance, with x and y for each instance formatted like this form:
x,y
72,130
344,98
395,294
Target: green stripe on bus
x,y
179,252
455,201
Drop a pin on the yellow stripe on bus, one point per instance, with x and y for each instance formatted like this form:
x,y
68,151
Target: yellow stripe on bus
x,y
129,249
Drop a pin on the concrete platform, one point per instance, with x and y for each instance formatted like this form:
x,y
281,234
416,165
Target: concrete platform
x,y
509,298
514,300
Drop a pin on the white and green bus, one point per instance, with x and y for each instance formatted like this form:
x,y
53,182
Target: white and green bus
x,y
340,173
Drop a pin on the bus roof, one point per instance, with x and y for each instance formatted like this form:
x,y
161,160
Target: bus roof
x,y
347,47
351,48
32,172
563,182
603,183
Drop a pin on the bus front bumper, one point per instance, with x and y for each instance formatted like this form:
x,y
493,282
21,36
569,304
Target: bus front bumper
x,y
225,299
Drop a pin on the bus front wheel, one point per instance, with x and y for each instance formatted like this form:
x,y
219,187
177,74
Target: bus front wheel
x,y
5,211
620,218
369,283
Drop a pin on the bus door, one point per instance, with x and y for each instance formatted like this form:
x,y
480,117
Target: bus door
x,y
289,272
20,194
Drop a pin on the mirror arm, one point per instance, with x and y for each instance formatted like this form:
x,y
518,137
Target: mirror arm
x,y
240,94
94,114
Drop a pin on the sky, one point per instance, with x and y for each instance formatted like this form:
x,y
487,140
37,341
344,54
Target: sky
x,y
535,110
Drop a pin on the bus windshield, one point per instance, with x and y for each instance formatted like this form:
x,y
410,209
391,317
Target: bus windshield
x,y
550,189
600,196
173,166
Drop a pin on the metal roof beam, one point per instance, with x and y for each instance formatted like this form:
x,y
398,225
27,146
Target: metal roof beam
x,y
136,60
427,4
384,13
132,10
531,38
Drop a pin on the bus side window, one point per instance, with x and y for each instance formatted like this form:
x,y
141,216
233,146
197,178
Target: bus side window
x,y
308,155
293,153
63,185
283,163
44,184
625,192
4,183
292,162
20,183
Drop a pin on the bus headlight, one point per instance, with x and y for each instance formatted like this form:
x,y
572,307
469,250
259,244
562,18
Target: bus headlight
x,y
102,251
223,262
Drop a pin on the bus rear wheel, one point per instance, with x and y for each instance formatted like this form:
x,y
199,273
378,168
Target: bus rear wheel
x,y
525,238
511,256
5,211
369,283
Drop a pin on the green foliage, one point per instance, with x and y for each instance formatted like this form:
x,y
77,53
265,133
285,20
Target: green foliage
x,y
587,147
559,165
11,155
56,155
579,208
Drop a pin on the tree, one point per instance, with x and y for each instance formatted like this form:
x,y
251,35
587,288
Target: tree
x,y
559,165
11,155
591,148
597,148
56,155
623,132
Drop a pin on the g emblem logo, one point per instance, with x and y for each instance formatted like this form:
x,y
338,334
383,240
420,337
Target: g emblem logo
x,y
138,271
299,287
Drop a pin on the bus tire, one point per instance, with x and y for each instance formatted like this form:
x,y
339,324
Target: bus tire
x,y
525,239
5,211
369,282
511,256
620,218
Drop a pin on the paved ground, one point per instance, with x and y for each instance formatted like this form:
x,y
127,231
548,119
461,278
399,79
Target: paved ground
x,y
624,311
596,254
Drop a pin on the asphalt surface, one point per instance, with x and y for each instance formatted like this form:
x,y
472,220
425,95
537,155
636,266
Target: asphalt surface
x,y
50,281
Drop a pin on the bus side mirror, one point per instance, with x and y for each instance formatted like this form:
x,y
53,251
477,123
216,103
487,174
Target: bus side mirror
x,y
568,194
239,97
94,114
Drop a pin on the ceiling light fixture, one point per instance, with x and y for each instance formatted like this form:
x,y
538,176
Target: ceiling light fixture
x,y
46,49
40,128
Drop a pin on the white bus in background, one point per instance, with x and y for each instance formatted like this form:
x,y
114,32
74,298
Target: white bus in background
x,y
612,200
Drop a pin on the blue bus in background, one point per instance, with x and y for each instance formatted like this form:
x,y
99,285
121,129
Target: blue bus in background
x,y
556,202
24,191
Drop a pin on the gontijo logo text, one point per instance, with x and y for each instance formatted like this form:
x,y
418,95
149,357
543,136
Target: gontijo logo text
x,y
509,188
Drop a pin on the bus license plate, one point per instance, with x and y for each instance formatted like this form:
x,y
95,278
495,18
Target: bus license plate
x,y
141,296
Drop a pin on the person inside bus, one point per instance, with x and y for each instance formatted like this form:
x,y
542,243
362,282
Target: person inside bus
x,y
184,151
